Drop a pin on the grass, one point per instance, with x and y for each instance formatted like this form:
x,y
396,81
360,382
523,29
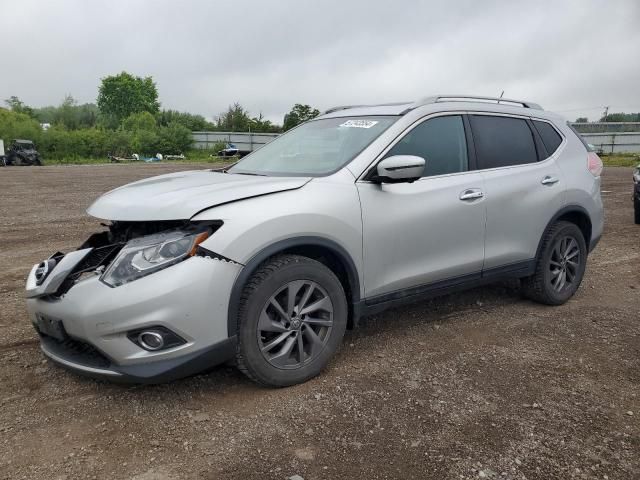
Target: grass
x,y
196,156
621,160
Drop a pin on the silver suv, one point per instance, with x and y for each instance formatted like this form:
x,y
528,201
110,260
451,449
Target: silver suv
x,y
365,207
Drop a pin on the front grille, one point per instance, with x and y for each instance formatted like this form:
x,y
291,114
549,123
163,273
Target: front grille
x,y
98,257
75,351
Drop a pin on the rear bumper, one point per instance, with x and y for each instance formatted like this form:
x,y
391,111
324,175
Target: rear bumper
x,y
94,365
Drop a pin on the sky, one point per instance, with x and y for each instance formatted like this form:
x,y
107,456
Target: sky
x,y
574,57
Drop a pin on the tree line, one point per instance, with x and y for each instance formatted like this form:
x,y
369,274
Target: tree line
x,y
126,118
613,117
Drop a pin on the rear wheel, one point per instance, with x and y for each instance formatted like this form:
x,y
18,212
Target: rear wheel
x,y
559,267
292,317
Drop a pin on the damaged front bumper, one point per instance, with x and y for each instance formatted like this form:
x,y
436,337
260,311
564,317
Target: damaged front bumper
x,y
87,326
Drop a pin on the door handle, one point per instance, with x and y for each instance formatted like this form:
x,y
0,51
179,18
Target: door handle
x,y
471,194
548,180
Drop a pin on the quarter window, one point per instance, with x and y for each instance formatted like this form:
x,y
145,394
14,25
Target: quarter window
x,y
550,137
502,141
440,141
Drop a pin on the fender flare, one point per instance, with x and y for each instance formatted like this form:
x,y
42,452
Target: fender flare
x,y
563,211
280,246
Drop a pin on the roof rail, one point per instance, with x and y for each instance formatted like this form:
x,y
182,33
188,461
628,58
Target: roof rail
x,y
471,98
347,107
341,107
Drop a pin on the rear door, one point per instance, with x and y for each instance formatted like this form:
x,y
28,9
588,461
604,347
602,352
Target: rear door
x,y
524,187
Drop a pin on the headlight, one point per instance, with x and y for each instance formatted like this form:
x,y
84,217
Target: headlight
x,y
636,175
144,256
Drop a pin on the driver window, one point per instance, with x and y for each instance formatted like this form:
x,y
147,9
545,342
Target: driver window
x,y
440,141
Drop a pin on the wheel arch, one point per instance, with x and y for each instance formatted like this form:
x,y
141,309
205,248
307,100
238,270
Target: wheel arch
x,y
574,214
328,252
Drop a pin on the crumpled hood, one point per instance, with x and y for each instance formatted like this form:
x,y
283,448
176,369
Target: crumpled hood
x,y
179,196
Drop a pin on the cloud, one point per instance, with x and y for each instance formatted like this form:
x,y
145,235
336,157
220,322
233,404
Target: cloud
x,y
568,56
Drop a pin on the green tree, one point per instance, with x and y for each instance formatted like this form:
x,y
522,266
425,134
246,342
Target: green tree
x,y
582,120
18,125
188,120
260,124
621,117
18,106
235,119
121,95
299,114
68,114
174,139
139,121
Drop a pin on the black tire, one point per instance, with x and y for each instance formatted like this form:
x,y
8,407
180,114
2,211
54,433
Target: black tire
x,y
269,283
636,211
545,286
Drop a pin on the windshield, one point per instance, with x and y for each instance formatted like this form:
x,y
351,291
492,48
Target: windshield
x,y
316,148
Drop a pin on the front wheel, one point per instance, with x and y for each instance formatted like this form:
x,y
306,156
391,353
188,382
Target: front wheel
x,y
292,317
636,210
559,267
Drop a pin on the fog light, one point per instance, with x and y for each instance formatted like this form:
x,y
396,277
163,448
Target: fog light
x,y
155,338
151,340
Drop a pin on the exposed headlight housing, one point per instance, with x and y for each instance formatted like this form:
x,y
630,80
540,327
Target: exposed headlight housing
x,y
143,256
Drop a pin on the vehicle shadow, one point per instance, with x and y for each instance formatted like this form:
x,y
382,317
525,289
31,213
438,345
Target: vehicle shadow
x,y
225,378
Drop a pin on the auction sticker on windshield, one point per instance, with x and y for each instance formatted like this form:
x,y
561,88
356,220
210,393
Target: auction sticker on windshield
x,y
359,123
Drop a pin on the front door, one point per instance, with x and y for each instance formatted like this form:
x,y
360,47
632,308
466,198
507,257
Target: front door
x,y
429,232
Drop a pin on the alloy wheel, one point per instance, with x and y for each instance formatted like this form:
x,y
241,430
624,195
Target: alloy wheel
x,y
564,263
295,324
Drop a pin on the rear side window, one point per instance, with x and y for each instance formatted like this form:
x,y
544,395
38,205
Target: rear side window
x,y
440,141
550,137
502,141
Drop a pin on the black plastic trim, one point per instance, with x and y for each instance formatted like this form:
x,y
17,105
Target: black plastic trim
x,y
282,245
420,290
164,370
558,214
443,287
541,148
471,146
517,269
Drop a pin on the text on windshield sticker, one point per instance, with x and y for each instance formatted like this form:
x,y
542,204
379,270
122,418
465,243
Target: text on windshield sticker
x,y
359,123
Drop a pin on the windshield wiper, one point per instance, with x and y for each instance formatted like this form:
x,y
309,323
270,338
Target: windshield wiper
x,y
250,173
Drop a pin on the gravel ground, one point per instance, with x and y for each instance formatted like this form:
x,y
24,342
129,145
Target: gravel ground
x,y
476,385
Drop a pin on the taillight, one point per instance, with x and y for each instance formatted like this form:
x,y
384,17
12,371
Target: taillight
x,y
594,164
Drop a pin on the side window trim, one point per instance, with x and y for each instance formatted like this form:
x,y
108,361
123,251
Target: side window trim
x,y
541,149
563,138
371,170
471,147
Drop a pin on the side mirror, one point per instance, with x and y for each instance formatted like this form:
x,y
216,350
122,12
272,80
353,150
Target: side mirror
x,y
399,168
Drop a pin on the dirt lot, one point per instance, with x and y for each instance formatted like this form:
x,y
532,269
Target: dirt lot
x,y
475,385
